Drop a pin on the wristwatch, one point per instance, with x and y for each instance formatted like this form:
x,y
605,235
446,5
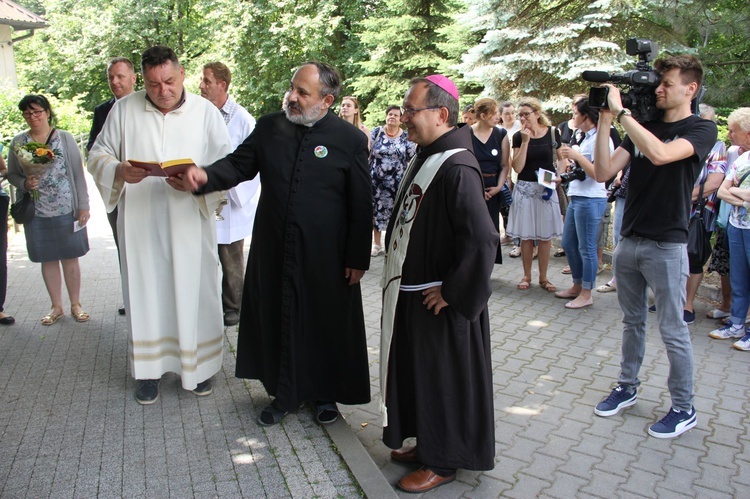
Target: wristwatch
x,y
624,112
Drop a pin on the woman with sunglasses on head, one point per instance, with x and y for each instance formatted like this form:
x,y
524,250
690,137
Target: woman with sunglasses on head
x,y
61,201
535,211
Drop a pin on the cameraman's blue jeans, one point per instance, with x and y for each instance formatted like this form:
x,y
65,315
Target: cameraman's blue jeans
x,y
580,233
640,263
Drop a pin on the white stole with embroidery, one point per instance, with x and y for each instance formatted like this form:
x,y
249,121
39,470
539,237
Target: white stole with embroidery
x,y
395,253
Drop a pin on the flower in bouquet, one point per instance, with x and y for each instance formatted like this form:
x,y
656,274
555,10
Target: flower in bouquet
x,y
35,158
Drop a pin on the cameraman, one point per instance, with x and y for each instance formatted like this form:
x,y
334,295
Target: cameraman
x,y
665,156
588,198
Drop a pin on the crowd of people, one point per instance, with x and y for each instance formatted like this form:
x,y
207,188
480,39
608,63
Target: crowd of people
x,y
420,191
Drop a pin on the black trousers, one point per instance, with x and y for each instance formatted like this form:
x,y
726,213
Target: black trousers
x,y
4,204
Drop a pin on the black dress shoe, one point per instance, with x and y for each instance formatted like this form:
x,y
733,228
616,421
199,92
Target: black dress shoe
x,y
7,320
147,391
231,318
121,310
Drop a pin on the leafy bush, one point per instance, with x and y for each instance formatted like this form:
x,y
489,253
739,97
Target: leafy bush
x,y
70,115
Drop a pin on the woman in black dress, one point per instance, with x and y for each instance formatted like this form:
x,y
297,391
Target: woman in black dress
x,y
492,149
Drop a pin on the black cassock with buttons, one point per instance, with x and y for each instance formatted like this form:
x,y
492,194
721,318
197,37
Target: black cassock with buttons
x,y
301,330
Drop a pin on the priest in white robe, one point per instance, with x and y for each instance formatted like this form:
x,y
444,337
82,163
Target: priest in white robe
x,y
171,277
235,222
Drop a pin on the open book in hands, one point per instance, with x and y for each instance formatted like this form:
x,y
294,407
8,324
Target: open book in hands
x,y
169,168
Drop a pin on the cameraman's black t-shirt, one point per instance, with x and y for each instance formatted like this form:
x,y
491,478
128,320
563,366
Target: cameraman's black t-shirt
x,y
658,202
538,155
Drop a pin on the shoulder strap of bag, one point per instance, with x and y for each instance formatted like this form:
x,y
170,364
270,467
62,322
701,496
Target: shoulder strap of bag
x,y
553,145
701,200
49,137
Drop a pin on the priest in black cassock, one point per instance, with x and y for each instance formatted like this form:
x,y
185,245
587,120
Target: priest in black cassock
x,y
301,330
436,370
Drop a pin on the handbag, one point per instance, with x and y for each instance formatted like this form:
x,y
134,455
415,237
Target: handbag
x,y
22,210
698,244
722,219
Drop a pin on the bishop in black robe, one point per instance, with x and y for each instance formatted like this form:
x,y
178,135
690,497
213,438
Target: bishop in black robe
x,y
439,379
301,330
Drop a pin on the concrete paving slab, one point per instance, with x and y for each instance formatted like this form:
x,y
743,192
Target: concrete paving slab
x,y
70,426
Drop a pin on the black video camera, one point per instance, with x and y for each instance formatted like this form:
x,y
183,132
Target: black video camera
x,y
642,81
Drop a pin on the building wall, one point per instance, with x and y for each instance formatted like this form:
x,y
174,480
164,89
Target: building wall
x,y
7,63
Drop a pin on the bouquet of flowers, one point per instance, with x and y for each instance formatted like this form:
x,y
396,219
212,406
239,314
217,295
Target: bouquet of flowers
x,y
35,158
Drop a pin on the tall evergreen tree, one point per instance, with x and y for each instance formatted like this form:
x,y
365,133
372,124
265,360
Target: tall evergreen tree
x,y
541,48
405,39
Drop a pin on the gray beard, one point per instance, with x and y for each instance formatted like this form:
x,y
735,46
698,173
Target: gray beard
x,y
306,118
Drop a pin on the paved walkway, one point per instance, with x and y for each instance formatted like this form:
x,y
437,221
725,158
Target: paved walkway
x,y
70,427
551,366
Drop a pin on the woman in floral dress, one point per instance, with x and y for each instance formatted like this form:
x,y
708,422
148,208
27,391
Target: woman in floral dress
x,y
390,154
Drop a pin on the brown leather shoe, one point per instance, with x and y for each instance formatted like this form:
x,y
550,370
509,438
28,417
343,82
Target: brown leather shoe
x,y
405,455
423,480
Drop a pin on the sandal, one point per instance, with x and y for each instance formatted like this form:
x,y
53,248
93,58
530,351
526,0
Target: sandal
x,y
515,252
524,284
559,253
52,317
717,314
547,286
566,294
326,412
376,250
271,415
80,315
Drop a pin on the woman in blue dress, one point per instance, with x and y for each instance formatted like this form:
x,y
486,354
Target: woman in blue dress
x,y
390,154
492,150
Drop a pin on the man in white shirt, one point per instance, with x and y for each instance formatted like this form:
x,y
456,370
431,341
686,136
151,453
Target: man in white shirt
x,y
235,221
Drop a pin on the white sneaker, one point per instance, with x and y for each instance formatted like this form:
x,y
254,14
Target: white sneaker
x,y
727,332
743,344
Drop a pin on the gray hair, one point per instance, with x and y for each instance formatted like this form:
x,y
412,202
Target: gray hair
x,y
741,116
437,97
707,112
330,78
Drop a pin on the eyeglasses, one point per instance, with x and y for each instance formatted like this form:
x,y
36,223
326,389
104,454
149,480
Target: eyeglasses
x,y
524,114
407,111
34,113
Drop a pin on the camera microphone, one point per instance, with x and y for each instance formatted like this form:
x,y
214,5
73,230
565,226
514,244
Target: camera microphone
x,y
596,76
